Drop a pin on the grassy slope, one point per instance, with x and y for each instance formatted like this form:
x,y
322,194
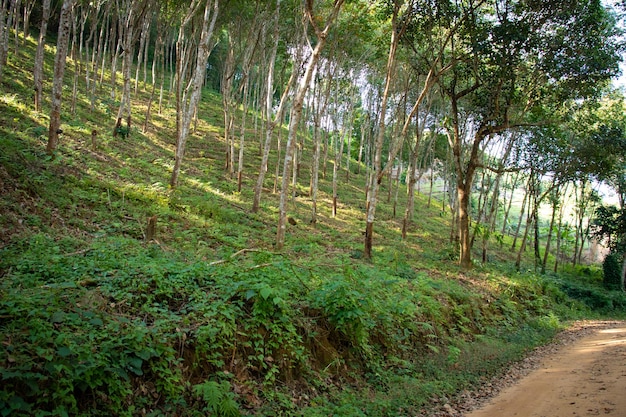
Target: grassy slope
x,y
209,319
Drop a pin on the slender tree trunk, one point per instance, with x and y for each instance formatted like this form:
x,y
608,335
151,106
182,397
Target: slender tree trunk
x,y
158,55
15,18
411,181
63,39
5,23
142,56
228,107
559,239
39,56
95,59
529,221
372,193
544,263
245,98
75,58
242,135
510,203
361,145
189,108
271,123
105,44
318,112
521,216
338,156
279,148
28,9
296,112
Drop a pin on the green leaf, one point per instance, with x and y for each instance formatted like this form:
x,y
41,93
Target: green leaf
x,y
96,321
134,365
144,354
266,292
64,351
58,317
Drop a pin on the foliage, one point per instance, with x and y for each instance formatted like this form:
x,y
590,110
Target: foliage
x,y
218,397
609,223
207,319
612,268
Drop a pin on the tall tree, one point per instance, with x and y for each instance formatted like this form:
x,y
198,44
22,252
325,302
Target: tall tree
x,y
273,118
372,189
513,59
39,55
188,96
298,103
63,38
133,13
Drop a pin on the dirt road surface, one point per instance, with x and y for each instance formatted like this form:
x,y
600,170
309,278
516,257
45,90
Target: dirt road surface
x,y
585,377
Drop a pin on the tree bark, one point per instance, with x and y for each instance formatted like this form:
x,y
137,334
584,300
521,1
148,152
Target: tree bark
x,y
59,70
271,122
39,56
555,205
5,23
189,105
296,111
372,192
318,111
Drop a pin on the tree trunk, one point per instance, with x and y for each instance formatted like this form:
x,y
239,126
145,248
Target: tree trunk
x,y
529,220
296,112
464,227
251,42
559,239
188,106
39,56
142,56
59,69
134,15
521,215
228,107
28,9
5,24
372,194
158,56
338,155
544,263
318,111
271,123
510,203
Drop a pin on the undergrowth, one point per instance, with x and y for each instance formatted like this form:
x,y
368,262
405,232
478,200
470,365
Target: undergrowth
x,y
206,318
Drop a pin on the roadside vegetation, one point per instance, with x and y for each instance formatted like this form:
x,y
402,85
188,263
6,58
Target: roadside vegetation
x,y
122,295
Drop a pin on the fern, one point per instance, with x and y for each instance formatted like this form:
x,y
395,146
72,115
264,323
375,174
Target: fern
x,y
218,398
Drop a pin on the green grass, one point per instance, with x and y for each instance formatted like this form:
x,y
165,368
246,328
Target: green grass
x,y
208,318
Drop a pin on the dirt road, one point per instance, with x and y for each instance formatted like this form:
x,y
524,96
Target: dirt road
x,y
586,377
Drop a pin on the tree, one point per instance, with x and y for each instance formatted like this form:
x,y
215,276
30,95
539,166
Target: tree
x,y
298,102
513,59
41,43
374,182
132,15
272,121
188,94
63,38
609,224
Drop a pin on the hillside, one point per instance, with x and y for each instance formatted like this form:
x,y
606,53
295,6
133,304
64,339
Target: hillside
x,y
201,316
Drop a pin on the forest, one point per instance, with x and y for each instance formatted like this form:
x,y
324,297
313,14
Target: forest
x,y
300,207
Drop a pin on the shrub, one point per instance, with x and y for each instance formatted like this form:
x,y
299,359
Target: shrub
x,y
612,272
